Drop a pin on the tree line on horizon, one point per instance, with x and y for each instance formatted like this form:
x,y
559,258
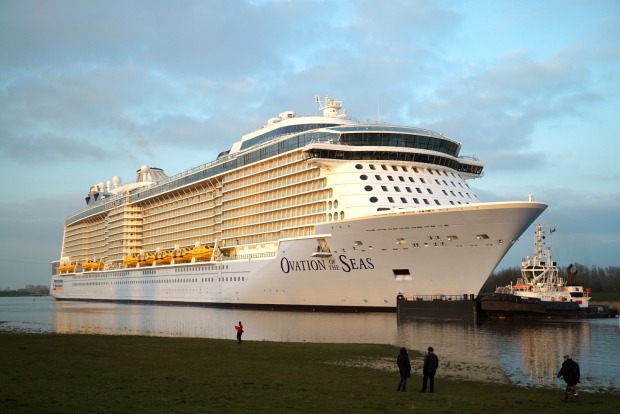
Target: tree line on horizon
x,y
27,290
598,279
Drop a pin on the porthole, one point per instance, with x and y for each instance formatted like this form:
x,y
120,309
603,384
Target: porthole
x,y
368,188
373,199
335,203
359,166
363,177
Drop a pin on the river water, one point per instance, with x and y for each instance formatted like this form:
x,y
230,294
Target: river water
x,y
526,353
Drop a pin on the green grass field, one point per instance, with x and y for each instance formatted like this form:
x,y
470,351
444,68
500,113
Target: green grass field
x,y
42,373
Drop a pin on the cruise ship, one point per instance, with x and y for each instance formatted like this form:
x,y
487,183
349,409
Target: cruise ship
x,y
313,212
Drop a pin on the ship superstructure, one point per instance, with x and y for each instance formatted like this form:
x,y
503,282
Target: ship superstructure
x,y
306,211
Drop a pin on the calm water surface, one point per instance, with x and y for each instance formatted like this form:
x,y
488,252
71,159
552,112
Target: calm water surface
x,y
525,352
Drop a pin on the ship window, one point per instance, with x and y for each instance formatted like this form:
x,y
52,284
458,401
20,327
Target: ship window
x,y
401,178
404,168
415,200
418,190
397,189
391,199
429,191
359,166
426,201
384,167
422,179
363,177
411,179
403,199
437,181
378,177
372,167
445,192
373,199
437,202
390,178
482,236
453,238
368,188
384,188
408,189
415,169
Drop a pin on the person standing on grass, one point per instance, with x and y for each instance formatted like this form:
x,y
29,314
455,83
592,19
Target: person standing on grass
x,y
431,363
239,329
404,368
570,373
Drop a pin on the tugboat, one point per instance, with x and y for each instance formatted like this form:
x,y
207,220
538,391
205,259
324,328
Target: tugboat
x,y
540,291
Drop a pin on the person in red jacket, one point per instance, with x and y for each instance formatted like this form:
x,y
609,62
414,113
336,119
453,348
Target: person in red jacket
x,y
239,329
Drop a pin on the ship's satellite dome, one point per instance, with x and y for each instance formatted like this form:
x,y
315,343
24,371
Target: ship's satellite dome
x,y
116,180
144,169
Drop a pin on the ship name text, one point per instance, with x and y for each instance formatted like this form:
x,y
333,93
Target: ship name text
x,y
343,263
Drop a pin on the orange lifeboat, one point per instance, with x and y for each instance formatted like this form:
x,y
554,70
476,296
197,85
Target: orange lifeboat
x,y
163,257
68,267
202,253
90,265
131,260
182,255
146,259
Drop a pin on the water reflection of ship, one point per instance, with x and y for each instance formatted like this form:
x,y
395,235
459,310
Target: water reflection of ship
x,y
528,352
536,347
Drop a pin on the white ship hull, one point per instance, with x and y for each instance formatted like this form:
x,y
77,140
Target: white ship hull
x,y
443,251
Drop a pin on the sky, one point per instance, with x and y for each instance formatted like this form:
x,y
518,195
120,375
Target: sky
x,y
94,89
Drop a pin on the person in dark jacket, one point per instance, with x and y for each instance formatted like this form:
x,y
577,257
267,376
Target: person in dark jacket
x,y
571,375
431,363
404,368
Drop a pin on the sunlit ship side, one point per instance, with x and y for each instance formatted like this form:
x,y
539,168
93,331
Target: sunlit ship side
x,y
306,212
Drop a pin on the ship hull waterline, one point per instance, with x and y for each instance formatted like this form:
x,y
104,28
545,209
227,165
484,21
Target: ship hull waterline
x,y
438,251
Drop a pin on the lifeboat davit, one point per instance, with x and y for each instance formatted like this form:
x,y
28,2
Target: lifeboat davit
x,y
202,253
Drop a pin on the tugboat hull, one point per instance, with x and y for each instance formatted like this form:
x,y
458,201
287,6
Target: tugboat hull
x,y
504,306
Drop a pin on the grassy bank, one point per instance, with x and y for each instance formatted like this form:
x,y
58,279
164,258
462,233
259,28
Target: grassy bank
x,y
120,374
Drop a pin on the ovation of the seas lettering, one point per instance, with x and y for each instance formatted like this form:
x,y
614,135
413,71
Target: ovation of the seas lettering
x,y
344,263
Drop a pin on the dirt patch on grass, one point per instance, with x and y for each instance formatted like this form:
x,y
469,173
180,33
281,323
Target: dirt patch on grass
x,y
451,369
